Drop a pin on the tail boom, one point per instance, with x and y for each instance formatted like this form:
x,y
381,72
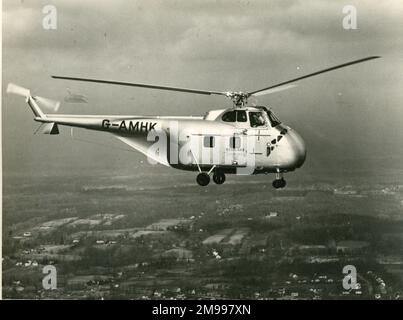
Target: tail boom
x,y
35,108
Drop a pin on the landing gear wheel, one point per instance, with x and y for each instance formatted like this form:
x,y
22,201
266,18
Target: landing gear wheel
x,y
279,183
219,177
283,183
203,179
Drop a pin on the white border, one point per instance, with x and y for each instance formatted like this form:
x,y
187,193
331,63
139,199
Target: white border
x,y
1,154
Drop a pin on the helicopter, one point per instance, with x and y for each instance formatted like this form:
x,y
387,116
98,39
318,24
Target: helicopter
x,y
242,139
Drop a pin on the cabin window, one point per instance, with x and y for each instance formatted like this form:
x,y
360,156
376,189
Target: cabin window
x,y
256,119
208,142
234,142
229,116
232,116
241,116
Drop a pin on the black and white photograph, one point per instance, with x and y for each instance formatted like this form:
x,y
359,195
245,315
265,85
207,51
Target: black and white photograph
x,y
209,150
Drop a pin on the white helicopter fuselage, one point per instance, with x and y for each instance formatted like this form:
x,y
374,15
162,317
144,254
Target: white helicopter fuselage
x,y
199,143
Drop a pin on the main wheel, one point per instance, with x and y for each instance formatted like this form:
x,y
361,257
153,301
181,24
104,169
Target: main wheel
x,y
219,177
203,179
279,183
283,183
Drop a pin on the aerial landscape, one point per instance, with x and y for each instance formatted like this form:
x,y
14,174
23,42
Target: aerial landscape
x,y
108,240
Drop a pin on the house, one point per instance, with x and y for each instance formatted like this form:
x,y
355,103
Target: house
x,y
271,215
179,253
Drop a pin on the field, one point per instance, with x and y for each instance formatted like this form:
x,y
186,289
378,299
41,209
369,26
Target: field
x,y
241,239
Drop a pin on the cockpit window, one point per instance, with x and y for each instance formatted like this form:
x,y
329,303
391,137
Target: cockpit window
x,y
229,116
274,121
256,119
241,116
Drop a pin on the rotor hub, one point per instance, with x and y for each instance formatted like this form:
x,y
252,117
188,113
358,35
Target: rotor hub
x,y
240,99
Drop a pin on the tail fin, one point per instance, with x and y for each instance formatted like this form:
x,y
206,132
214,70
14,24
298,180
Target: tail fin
x,y
33,101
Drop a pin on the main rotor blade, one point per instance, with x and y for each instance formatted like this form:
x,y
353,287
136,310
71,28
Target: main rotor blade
x,y
142,85
274,90
315,73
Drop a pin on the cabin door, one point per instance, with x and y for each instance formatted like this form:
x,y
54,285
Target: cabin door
x,y
235,147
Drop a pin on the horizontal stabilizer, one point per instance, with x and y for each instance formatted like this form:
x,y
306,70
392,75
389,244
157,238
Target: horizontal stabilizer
x,y
50,128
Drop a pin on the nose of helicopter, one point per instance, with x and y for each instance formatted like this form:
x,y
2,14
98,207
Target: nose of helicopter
x,y
297,149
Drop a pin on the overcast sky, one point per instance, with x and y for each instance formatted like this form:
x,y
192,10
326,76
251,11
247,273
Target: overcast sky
x,y
354,113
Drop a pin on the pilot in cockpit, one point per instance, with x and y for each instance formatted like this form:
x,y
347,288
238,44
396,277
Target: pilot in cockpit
x,y
256,119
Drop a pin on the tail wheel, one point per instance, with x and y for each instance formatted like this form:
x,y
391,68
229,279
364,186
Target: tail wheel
x,y
219,177
203,179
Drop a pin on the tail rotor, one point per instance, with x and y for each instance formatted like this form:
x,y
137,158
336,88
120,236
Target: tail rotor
x,y
49,104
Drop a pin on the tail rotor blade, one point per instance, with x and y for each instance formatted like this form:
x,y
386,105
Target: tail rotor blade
x,y
16,89
48,103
